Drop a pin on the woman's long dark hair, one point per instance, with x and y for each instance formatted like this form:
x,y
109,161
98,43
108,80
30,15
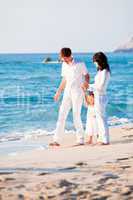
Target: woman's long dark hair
x,y
102,61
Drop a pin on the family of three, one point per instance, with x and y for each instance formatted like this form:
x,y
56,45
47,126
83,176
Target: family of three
x,y
76,87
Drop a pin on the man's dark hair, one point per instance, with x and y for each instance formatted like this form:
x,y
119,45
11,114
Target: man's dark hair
x,y
66,52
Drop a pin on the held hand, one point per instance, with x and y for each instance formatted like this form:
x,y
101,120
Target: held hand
x,y
85,86
57,95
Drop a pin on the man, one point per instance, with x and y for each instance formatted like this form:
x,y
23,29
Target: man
x,y
75,80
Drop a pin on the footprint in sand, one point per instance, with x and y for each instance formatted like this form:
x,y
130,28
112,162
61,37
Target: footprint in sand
x,y
106,177
124,158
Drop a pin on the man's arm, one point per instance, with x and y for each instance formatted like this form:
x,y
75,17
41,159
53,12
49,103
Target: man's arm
x,y
60,89
86,82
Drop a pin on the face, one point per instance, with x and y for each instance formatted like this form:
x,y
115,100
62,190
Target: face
x,y
96,64
65,59
91,100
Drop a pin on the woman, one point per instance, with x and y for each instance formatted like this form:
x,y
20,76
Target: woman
x,y
100,87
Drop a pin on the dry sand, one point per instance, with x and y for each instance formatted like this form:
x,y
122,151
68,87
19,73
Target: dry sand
x,y
71,173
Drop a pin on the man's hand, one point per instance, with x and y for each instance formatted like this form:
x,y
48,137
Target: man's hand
x,y
57,95
60,89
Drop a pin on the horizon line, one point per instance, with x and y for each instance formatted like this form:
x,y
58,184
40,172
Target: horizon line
x,y
82,52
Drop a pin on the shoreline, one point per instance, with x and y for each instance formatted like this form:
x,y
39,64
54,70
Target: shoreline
x,y
36,141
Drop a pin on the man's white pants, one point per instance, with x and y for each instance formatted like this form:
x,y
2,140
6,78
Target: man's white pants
x,y
74,101
100,109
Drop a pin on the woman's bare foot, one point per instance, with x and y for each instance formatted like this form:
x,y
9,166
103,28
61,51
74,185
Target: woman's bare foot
x,y
102,143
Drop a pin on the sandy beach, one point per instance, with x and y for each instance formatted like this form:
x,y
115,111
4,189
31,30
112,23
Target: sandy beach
x,y
66,172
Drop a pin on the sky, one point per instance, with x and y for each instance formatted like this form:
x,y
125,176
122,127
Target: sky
x,y
35,26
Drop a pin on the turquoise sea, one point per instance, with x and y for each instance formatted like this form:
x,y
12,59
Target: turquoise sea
x,y
27,87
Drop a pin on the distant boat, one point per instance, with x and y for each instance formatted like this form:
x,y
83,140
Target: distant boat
x,y
49,60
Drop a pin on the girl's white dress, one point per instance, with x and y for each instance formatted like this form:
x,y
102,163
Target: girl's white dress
x,y
91,123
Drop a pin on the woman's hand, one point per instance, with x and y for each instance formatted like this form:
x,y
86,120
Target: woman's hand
x,y
85,86
57,95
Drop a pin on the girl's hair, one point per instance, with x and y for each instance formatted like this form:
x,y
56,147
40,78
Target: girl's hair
x,y
102,61
91,93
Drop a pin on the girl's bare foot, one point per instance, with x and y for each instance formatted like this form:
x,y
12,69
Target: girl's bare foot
x,y
89,140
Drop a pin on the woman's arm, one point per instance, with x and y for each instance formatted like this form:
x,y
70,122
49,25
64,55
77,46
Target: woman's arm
x,y
86,98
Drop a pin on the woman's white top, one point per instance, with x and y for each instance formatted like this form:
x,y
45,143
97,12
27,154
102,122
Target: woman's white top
x,y
101,82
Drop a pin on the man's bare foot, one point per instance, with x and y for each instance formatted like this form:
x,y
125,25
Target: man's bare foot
x,y
54,144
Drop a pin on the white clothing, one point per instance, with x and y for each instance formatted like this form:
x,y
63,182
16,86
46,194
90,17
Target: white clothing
x,y
101,82
100,87
100,109
74,74
68,102
73,98
91,123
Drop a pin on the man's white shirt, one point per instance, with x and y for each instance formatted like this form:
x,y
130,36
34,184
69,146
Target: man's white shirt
x,y
74,75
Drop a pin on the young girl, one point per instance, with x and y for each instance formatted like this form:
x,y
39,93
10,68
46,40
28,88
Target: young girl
x,y
91,124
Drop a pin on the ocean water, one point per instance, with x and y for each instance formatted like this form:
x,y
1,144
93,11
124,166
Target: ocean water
x,y
27,87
